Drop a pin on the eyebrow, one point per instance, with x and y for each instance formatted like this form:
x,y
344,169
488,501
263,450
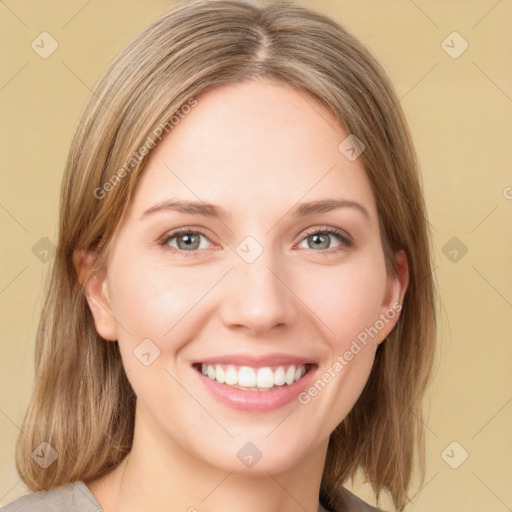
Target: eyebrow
x,y
210,210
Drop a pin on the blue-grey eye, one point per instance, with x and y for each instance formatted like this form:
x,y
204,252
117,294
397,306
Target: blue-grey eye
x,y
322,239
186,241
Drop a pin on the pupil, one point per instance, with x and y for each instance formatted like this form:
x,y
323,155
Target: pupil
x,y
321,239
189,240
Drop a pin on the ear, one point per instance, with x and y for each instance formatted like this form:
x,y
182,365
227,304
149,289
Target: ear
x,y
96,293
394,296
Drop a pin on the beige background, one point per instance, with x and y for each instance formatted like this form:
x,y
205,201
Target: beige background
x,y
460,111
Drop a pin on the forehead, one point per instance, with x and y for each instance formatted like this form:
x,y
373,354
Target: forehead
x,y
253,143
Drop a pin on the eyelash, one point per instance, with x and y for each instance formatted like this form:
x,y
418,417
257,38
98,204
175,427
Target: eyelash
x,y
345,240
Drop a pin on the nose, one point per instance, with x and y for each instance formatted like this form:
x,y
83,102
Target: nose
x,y
258,297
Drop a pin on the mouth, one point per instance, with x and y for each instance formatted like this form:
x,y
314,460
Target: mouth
x,y
249,378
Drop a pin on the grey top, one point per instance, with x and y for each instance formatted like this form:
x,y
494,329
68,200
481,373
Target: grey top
x,y
76,497
73,497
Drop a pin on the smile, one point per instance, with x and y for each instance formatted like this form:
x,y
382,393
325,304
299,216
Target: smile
x,y
253,379
255,384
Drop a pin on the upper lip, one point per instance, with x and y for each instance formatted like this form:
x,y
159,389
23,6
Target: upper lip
x,y
256,361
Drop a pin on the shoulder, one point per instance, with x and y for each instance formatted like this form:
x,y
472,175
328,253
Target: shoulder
x,y
356,504
72,497
349,502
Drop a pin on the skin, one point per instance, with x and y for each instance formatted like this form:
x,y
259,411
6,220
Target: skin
x,y
256,149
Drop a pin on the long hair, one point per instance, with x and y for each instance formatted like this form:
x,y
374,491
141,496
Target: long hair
x,y
82,403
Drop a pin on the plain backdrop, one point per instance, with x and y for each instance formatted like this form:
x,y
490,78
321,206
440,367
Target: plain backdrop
x,y
451,64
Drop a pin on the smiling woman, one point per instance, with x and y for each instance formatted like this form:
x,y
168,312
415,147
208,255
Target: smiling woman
x,y
246,318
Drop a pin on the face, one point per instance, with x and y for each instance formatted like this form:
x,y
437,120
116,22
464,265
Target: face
x,y
274,284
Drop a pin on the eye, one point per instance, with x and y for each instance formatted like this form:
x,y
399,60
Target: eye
x,y
191,240
185,240
322,238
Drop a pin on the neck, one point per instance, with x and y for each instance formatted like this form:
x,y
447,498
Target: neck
x,y
160,475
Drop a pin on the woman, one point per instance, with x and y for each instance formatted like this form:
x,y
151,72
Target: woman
x,y
241,311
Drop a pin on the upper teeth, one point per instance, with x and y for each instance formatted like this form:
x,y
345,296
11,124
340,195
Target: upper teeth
x,y
246,376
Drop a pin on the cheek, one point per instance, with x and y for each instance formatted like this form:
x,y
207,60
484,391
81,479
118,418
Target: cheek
x,y
347,304
155,300
346,301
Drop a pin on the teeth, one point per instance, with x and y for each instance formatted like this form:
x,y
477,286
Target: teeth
x,y
290,375
231,376
265,378
219,374
279,376
246,377
258,378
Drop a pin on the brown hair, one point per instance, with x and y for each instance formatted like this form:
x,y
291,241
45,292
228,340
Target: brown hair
x,y
82,403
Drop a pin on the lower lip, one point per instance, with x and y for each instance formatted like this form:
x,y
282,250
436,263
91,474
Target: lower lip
x,y
258,401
